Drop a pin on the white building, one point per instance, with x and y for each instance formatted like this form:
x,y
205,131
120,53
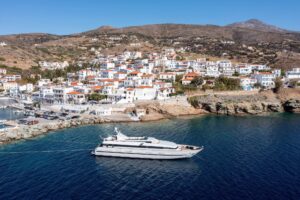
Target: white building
x,y
212,71
26,88
167,76
260,67
2,71
266,79
43,82
277,72
293,74
140,93
247,83
12,77
9,85
60,94
3,44
75,97
103,111
244,69
53,65
107,65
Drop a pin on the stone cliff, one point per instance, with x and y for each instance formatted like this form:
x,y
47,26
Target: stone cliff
x,y
263,102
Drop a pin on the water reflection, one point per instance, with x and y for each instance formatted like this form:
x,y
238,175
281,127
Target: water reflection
x,y
121,165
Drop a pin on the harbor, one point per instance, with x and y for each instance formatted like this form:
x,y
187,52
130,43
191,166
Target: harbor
x,y
51,118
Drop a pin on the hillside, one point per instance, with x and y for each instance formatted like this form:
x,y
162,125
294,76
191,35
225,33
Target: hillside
x,y
250,41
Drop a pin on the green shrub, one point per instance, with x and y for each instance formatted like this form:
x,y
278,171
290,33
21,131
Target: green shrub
x,y
224,83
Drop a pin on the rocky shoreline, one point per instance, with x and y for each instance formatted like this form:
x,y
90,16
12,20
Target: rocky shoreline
x,y
254,104
156,110
260,103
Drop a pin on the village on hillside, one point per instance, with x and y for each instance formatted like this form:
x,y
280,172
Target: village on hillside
x,y
136,76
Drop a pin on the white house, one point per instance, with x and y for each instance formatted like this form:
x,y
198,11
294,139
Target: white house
x,y
244,69
108,74
247,83
26,87
260,67
293,74
53,65
84,73
140,93
266,79
107,65
10,85
120,75
12,77
167,76
60,94
225,67
277,72
2,44
2,71
75,97
103,111
212,71
187,78
43,82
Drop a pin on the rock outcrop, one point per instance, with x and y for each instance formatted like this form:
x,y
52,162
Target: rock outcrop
x,y
238,104
292,105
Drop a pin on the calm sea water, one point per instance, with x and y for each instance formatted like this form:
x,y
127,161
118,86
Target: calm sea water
x,y
244,158
9,114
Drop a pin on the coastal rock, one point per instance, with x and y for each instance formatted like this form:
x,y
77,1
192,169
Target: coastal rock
x,y
274,107
292,105
241,104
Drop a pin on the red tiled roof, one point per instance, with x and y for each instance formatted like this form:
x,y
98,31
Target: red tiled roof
x,y
74,93
143,87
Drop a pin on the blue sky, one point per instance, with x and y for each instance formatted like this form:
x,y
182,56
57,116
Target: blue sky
x,y
72,16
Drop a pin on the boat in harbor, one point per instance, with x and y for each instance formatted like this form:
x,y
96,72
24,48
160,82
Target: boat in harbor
x,y
120,145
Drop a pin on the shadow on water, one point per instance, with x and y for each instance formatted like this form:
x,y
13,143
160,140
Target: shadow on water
x,y
119,165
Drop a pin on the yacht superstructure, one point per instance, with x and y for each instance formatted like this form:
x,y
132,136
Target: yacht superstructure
x,y
120,145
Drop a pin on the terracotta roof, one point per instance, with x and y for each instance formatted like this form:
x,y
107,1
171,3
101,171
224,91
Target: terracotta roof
x,y
143,87
134,73
107,80
187,79
74,83
91,77
97,87
192,74
74,93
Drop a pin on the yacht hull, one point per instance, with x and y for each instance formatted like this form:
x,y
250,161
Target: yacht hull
x,y
144,153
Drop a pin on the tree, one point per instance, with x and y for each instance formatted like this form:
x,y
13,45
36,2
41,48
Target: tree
x,y
224,83
178,78
197,81
257,85
96,97
278,85
235,73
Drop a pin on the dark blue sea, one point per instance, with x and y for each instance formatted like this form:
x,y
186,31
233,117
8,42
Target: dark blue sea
x,y
244,158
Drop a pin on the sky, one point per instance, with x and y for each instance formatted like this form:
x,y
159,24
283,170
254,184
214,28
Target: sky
x,y
74,16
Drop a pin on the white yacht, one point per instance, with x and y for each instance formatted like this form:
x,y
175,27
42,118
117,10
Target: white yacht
x,y
120,145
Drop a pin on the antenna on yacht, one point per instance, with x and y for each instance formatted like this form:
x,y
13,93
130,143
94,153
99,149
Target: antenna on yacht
x,y
117,130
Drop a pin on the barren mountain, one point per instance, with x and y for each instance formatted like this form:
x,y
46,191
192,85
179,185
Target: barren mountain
x,y
257,25
251,41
